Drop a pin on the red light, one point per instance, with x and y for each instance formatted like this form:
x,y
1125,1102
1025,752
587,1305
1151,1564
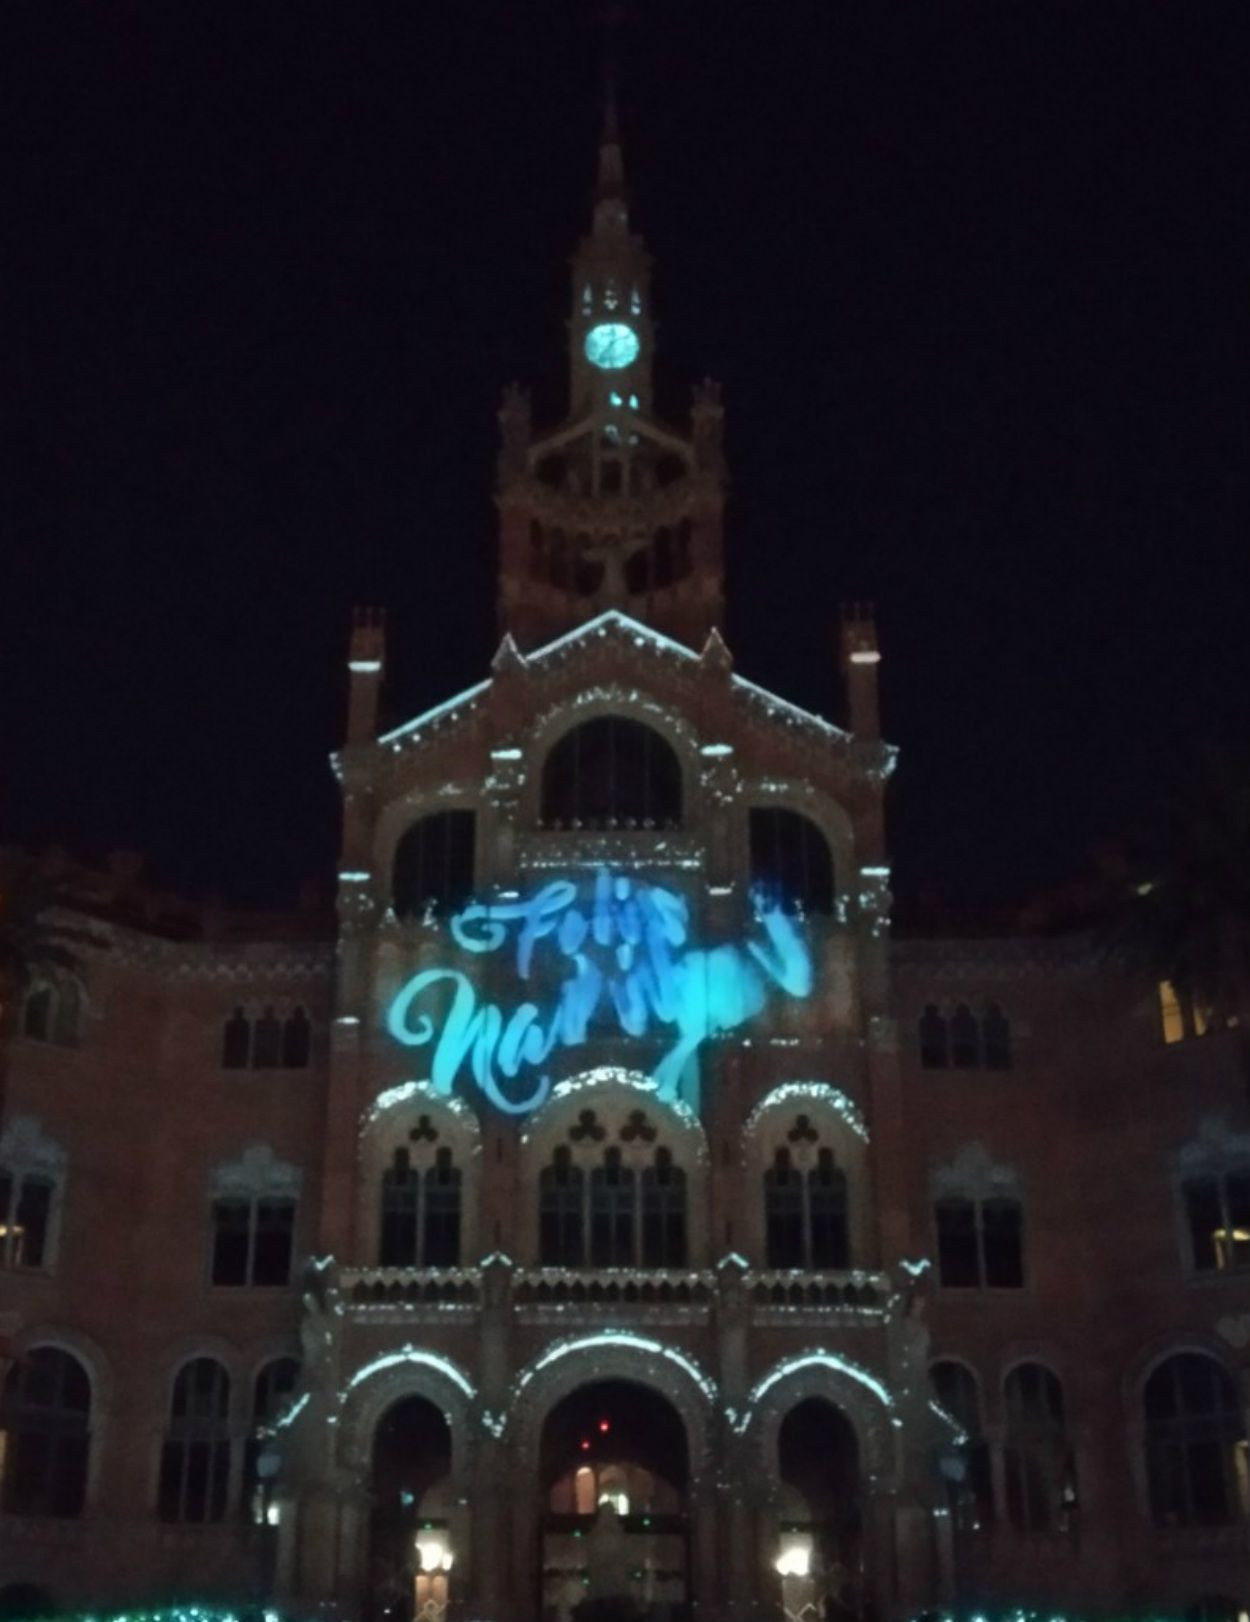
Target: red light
x,y
585,1447
605,1426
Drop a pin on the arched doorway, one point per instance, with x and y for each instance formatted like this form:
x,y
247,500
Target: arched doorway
x,y
410,1550
820,1552
615,1537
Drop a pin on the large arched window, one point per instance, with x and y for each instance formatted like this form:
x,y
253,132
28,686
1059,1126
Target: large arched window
x,y
195,1460
790,860
1195,1443
1041,1488
45,1418
612,771
420,1224
966,1468
433,867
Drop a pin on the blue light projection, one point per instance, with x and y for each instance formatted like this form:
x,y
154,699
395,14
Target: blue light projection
x,y
627,954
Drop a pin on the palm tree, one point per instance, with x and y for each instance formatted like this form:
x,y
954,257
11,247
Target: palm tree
x,y
35,942
1184,895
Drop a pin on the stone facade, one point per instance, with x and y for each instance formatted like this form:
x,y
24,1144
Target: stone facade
x,y
677,990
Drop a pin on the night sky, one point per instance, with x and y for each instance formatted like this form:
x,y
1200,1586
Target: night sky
x,y
975,277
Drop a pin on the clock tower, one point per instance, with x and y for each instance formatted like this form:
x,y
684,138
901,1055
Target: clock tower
x,y
611,509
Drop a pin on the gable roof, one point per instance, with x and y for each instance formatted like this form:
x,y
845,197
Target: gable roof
x,y
614,628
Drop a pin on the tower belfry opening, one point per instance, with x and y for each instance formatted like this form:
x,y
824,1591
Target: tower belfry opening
x,y
611,508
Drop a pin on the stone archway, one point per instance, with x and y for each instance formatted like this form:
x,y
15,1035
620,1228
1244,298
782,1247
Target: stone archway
x,y
407,1429
818,1522
666,1377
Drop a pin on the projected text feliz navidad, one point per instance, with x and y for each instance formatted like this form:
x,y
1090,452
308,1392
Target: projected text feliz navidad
x,y
627,951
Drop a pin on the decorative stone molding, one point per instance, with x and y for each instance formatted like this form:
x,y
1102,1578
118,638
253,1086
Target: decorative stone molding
x,y
1214,1148
612,1354
26,1147
975,1173
859,1395
369,1391
256,1172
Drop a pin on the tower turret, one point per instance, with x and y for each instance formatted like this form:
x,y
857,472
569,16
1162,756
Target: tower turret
x,y
612,509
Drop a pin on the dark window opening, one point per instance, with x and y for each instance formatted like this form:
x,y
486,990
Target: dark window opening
x,y
965,1466
612,770
1195,1442
25,1219
236,1042
934,1051
980,1243
663,1213
996,1038
45,1414
965,1039
612,1197
195,1458
253,1241
267,1042
790,860
560,1212
296,1041
1041,1486
434,865
1217,1212
783,1212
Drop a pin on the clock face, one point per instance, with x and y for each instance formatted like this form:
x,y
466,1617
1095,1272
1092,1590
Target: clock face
x,y
611,345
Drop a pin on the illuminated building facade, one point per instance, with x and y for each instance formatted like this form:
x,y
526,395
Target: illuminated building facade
x,y
608,1204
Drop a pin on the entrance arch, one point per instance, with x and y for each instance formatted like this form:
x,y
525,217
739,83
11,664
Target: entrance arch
x,y
614,1480
821,1513
411,1543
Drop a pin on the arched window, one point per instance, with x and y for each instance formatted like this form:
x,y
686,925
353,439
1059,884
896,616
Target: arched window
x,y
980,1242
45,1419
270,1394
434,865
1041,1488
967,1469
790,860
1195,1443
195,1459
296,1041
612,770
996,1038
965,1039
561,1197
663,1213
805,1212
53,1012
613,1196
26,1200
236,1042
267,1042
934,1042
420,1212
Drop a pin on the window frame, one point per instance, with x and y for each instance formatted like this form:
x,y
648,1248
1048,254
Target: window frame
x,y
59,1429
253,1199
979,1200
1220,1175
186,1433
420,1181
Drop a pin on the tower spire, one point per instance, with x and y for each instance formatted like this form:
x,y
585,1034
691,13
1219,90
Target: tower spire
x,y
612,509
611,205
